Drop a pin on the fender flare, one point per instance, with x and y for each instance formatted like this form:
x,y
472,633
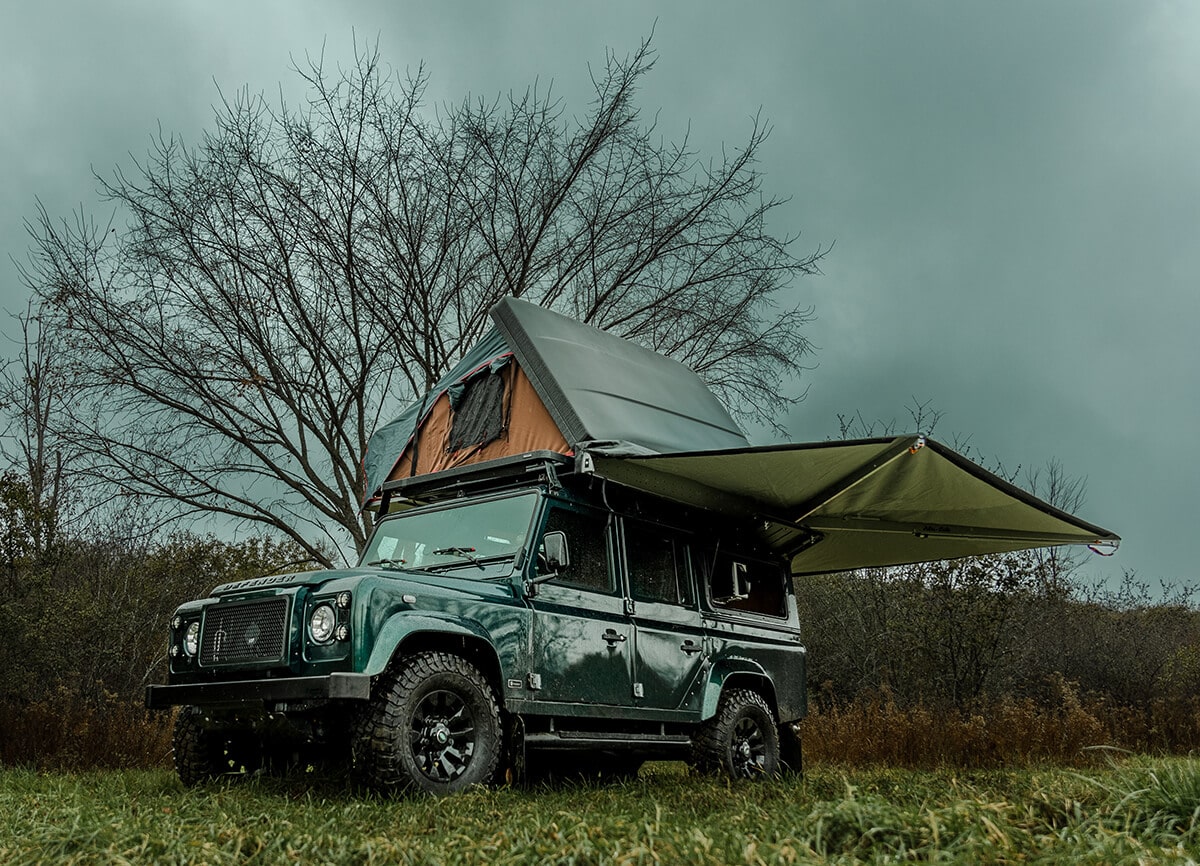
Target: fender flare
x,y
403,625
738,670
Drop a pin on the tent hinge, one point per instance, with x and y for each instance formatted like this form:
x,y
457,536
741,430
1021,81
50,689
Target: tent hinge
x,y
551,476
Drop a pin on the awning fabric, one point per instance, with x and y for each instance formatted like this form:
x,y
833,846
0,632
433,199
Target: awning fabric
x,y
834,506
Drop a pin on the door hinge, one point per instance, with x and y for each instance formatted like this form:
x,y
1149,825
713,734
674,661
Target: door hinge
x,y
534,682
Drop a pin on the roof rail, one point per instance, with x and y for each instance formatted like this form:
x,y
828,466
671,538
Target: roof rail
x,y
475,477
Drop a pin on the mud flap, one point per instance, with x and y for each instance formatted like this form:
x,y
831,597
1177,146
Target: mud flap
x,y
512,767
791,758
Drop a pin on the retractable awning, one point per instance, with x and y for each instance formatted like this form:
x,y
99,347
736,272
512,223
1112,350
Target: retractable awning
x,y
833,506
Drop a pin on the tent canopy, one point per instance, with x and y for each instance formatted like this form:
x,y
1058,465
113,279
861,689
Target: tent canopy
x,y
833,506
601,391
600,388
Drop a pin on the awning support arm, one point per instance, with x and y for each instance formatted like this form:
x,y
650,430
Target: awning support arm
x,y
931,530
902,445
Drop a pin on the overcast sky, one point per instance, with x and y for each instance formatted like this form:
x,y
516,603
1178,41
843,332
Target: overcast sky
x,y
1013,189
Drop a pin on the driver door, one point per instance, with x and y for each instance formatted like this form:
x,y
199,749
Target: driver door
x,y
582,638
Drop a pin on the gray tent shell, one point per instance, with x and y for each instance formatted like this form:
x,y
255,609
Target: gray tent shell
x,y
600,388
603,392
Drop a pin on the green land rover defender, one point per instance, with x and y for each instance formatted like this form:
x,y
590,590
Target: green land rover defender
x,y
520,617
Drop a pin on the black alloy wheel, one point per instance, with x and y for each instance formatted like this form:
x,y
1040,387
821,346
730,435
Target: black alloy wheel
x,y
442,734
741,740
748,751
432,726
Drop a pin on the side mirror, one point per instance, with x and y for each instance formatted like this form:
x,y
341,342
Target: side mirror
x,y
555,552
552,557
737,584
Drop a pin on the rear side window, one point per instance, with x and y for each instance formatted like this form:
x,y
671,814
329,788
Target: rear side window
x,y
656,573
740,583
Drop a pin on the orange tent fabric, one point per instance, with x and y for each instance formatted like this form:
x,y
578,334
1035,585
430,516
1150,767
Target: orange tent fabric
x,y
528,427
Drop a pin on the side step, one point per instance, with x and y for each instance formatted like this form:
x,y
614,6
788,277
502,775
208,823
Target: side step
x,y
606,739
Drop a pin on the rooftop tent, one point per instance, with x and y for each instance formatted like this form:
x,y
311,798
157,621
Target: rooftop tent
x,y
542,381
833,506
393,438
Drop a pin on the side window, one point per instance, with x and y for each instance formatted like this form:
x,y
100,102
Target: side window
x,y
736,582
655,570
586,546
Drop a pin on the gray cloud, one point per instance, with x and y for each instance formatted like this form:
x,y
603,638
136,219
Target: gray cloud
x,y
1011,187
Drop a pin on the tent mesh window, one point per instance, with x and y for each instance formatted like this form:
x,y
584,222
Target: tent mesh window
x,y
479,416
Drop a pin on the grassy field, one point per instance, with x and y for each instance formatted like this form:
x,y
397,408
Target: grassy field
x,y
1139,810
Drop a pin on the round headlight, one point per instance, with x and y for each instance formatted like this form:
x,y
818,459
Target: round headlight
x,y
191,638
322,623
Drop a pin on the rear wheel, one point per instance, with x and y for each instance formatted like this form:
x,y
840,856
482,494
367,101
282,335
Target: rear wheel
x,y
434,726
741,740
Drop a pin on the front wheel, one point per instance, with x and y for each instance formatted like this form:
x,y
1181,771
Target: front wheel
x,y
741,740
434,726
202,754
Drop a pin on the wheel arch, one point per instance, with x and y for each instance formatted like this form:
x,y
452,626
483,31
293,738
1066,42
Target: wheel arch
x,y
736,672
407,634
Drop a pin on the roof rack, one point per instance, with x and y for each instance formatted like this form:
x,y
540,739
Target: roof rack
x,y
476,477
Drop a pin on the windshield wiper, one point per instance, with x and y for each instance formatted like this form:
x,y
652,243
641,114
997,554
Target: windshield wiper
x,y
465,552
386,563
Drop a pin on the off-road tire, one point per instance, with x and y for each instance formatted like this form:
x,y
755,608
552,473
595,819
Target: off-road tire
x,y
432,726
202,755
741,740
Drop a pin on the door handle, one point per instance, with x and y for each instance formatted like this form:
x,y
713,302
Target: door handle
x,y
612,637
690,647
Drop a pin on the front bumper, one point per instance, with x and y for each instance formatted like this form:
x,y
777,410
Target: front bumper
x,y
232,693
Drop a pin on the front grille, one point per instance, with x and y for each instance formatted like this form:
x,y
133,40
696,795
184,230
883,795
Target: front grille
x,y
247,632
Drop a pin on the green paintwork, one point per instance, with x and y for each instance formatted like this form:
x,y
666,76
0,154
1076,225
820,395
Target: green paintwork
x,y
576,662
721,672
404,625
558,649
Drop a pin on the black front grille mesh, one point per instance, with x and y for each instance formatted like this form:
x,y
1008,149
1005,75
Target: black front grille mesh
x,y
254,631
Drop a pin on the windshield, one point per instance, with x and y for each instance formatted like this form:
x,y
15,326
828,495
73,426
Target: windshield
x,y
473,539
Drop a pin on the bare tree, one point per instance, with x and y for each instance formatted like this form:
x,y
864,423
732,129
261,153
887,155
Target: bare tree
x,y
33,397
277,291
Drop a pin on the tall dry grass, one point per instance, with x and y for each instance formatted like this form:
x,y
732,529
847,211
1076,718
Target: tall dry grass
x,y
1073,730
66,733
